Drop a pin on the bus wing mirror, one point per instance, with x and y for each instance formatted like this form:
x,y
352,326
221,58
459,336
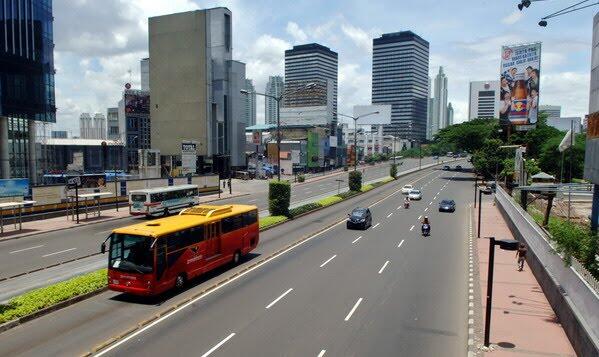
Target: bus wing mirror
x,y
103,248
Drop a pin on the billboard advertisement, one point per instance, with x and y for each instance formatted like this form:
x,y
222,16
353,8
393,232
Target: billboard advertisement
x,y
188,157
14,187
519,82
137,103
366,118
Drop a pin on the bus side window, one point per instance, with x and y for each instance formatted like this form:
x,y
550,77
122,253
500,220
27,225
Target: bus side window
x,y
250,217
160,258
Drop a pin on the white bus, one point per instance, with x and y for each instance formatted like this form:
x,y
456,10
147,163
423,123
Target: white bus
x,y
162,200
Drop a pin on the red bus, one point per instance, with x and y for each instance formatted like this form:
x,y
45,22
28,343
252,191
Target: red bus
x,y
152,257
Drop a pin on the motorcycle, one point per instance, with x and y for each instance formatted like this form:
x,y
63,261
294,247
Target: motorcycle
x,y
426,230
406,205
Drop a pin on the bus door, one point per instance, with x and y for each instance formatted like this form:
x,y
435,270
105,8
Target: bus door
x,y
160,272
212,241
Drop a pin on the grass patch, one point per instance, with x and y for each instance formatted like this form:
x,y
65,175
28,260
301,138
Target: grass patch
x,y
266,222
38,299
294,212
367,187
347,194
327,201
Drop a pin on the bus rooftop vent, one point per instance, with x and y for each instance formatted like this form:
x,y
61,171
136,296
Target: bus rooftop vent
x,y
207,211
152,224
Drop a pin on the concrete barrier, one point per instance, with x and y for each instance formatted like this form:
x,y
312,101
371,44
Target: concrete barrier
x,y
575,303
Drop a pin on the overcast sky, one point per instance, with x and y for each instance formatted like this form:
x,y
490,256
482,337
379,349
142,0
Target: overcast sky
x,y
99,44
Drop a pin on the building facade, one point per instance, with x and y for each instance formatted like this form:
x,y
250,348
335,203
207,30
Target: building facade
x,y
193,92
26,83
307,64
449,119
112,124
92,127
135,128
144,67
250,103
429,111
552,111
59,134
565,123
400,78
440,107
484,100
591,158
96,157
274,87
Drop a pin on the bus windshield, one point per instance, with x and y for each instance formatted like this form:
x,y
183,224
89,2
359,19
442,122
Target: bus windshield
x,y
138,197
131,253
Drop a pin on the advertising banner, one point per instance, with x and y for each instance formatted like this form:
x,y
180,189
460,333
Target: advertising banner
x,y
519,81
188,158
137,103
14,187
256,137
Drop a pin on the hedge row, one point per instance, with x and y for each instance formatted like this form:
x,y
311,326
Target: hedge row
x,y
294,212
38,299
327,201
266,222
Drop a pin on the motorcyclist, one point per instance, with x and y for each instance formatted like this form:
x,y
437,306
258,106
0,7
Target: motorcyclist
x,y
406,202
426,224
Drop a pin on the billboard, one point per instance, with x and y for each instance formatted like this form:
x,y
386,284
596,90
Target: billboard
x,y
188,157
14,187
383,116
519,82
137,103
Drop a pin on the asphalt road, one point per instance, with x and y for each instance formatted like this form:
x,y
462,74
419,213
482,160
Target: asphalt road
x,y
383,291
42,250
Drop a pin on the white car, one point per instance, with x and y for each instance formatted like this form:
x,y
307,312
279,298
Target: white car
x,y
406,189
415,195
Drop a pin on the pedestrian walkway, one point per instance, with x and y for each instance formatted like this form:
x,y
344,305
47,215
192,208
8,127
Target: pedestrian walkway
x,y
60,223
523,322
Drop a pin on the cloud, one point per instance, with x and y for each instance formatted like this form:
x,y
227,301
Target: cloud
x,y
512,18
361,38
354,86
296,32
568,89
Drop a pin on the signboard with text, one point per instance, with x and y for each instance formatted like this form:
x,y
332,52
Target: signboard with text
x,y
188,157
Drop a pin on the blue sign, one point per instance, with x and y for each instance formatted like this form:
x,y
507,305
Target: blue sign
x,y
14,187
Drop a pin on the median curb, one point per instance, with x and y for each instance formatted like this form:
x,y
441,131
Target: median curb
x,y
14,323
101,221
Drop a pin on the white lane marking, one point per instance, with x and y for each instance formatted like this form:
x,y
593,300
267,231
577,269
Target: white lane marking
x,y
351,312
400,243
398,207
218,345
328,260
357,239
62,251
430,203
383,267
412,228
254,200
390,214
279,298
321,353
24,249
257,266
419,217
426,209
376,225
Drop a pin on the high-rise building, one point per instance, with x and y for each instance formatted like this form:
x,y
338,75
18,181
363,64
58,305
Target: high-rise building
x,y
552,111
429,111
449,115
196,93
134,125
311,63
92,127
274,87
400,78
440,108
26,83
250,103
484,100
112,124
144,66
59,134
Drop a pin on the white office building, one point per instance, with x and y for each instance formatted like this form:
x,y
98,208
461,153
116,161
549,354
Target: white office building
x,y
484,100
274,88
449,119
92,127
552,111
565,123
250,103
440,103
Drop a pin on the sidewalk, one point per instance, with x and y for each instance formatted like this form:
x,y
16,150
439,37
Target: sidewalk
x,y
60,223
523,322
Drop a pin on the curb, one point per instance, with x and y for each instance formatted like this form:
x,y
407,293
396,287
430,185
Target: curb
x,y
14,323
102,221
49,266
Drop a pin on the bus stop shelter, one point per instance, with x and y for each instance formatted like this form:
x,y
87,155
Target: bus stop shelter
x,y
73,203
16,209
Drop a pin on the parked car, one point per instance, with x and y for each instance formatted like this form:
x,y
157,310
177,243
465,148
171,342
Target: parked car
x,y
435,157
447,206
446,168
359,218
490,186
458,168
415,195
406,189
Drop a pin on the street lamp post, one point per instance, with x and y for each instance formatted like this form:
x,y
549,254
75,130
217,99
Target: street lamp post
x,y
505,244
355,132
278,99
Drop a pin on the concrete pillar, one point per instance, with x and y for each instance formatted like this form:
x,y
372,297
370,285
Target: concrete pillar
x,y
380,137
32,154
595,209
4,163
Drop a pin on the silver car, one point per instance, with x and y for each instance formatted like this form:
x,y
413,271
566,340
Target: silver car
x,y
415,195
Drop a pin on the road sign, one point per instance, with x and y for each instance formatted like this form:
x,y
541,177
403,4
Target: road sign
x,y
74,182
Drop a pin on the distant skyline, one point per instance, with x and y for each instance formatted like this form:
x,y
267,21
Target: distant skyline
x,y
94,60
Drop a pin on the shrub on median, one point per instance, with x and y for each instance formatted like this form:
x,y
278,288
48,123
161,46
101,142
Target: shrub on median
x,y
347,194
279,196
294,212
393,171
38,299
327,201
355,180
367,187
266,222
301,178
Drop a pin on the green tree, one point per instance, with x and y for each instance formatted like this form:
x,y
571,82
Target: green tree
x,y
550,159
279,197
468,136
489,158
393,171
355,181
